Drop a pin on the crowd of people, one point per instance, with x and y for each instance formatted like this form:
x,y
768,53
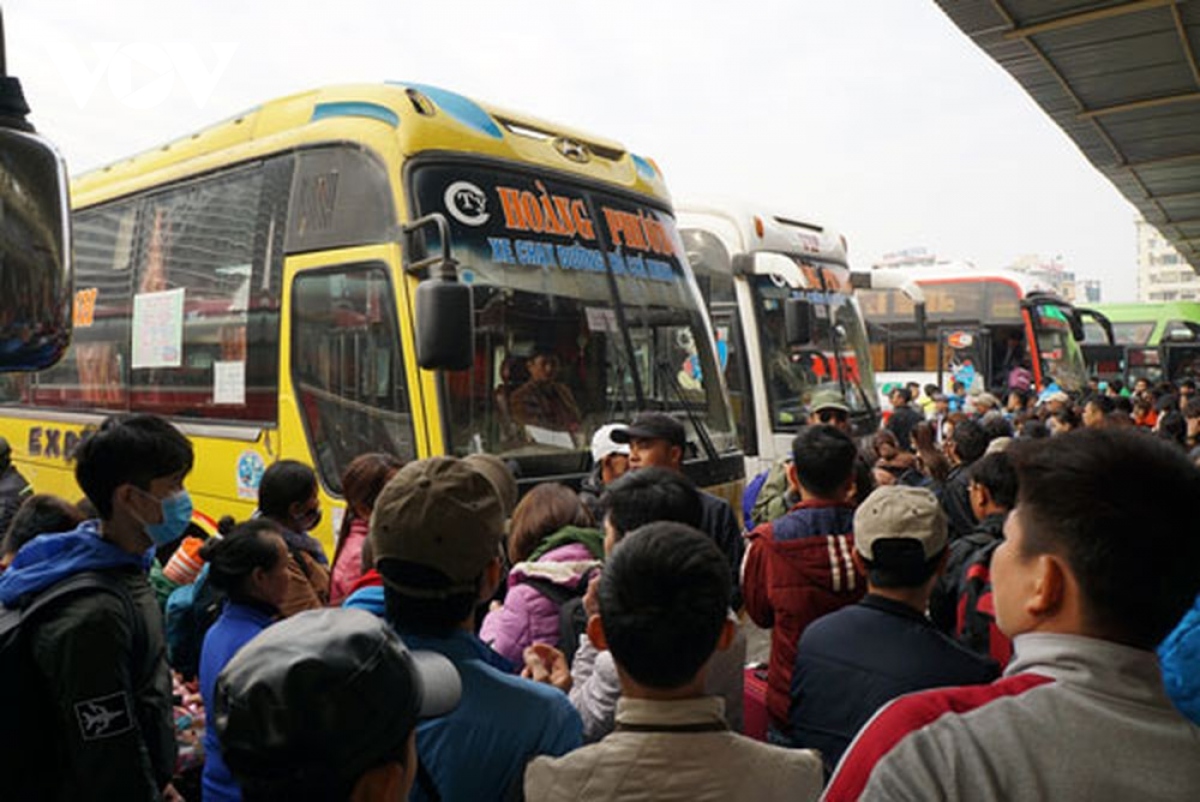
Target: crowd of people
x,y
994,601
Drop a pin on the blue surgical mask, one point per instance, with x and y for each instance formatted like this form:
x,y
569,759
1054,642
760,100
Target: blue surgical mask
x,y
176,515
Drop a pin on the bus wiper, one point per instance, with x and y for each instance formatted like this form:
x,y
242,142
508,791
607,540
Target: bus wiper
x,y
698,426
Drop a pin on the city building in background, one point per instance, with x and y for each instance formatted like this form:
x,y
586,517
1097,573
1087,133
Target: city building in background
x,y
1163,275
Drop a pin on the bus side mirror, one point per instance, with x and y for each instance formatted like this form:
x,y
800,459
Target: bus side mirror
x,y
445,325
444,310
797,320
35,253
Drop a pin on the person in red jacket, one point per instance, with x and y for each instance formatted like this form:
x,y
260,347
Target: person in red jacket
x,y
799,567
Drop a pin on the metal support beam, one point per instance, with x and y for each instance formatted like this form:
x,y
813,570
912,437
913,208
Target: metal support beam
x,y
1084,17
1138,105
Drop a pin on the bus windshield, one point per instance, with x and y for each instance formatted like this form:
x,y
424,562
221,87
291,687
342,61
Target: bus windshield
x,y
1062,358
586,313
838,356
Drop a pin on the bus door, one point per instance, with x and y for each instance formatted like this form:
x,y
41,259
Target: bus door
x,y
964,355
350,381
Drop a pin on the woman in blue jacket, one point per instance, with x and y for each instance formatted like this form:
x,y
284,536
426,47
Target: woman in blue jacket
x,y
250,565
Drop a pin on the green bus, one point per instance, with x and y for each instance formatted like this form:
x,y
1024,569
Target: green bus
x,y
1155,341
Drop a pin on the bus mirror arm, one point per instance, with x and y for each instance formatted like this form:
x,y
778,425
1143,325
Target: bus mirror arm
x,y
921,320
1101,320
448,268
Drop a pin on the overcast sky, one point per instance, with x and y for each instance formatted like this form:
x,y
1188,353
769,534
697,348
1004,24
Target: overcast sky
x,y
877,117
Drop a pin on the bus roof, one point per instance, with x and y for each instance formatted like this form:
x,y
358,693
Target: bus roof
x,y
1150,310
749,227
965,271
407,117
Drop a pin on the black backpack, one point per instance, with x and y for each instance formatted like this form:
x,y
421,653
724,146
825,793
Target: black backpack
x,y
976,626
23,730
572,617
191,610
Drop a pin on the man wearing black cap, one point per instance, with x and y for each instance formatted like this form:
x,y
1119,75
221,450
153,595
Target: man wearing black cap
x,y
14,489
657,440
324,706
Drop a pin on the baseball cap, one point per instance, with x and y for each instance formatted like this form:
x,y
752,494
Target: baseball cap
x,y
320,698
652,426
440,513
603,443
988,399
827,399
1058,396
899,512
501,477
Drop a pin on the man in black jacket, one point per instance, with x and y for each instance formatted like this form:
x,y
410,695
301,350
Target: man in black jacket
x,y
96,704
851,662
903,417
657,440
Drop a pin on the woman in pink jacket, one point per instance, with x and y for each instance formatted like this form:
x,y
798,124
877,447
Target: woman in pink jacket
x,y
554,552
365,476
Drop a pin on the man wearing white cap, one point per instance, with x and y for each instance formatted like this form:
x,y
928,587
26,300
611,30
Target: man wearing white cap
x,y
610,461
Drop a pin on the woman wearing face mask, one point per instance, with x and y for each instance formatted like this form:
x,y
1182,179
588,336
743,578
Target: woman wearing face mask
x,y
250,565
287,495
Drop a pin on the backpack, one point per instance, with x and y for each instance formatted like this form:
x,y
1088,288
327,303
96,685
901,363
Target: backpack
x,y
191,610
976,620
31,702
572,617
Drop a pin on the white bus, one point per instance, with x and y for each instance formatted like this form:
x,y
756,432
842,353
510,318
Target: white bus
x,y
786,320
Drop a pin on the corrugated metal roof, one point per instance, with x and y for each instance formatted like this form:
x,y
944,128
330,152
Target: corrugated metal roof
x,y
1121,79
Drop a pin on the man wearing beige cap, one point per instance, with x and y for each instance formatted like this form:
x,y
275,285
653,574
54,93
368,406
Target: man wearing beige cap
x,y
436,533
853,661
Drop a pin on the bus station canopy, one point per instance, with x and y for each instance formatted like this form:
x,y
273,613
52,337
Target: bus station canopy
x,y
1122,80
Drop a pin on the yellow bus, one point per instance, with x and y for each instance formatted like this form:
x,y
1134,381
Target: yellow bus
x,y
376,268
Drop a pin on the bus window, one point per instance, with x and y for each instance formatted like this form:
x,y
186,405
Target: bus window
x,y
94,373
347,368
203,276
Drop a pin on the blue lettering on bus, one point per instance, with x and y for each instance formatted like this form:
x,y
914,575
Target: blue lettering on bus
x,y
577,257
660,270
502,251
540,254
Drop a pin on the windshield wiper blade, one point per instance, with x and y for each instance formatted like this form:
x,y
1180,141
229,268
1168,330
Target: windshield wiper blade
x,y
697,425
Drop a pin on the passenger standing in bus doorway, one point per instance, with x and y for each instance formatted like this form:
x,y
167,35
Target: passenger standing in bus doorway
x,y
543,400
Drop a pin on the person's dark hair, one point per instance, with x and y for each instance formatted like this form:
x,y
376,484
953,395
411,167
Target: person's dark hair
x,y
1123,403
995,472
1192,408
664,597
362,480
900,563
1167,402
1188,383
1101,402
425,617
996,425
1117,385
1134,561
651,494
232,559
40,514
1034,429
905,394
970,440
1068,416
1173,428
129,449
931,390
824,459
285,483
543,511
